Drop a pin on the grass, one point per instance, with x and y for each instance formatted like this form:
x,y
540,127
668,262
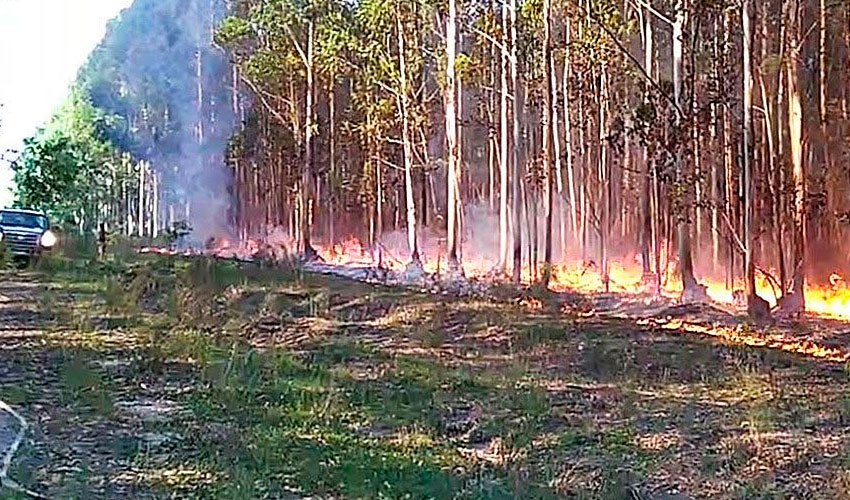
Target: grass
x,y
172,378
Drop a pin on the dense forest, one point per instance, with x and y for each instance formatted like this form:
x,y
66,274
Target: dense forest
x,y
701,137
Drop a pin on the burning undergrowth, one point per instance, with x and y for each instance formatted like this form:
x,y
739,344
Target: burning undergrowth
x,y
578,292
386,263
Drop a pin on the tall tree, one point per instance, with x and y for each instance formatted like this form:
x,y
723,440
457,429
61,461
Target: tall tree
x,y
794,303
404,103
453,180
516,227
548,141
504,126
691,289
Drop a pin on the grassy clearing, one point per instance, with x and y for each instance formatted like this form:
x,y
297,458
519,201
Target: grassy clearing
x,y
170,378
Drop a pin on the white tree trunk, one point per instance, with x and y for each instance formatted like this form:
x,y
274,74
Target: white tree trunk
x,y
404,102
746,50
141,214
504,164
515,216
451,137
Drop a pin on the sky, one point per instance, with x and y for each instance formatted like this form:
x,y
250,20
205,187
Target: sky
x,y
42,45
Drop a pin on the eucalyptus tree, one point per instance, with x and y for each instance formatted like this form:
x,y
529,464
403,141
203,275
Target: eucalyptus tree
x,y
391,69
453,145
276,43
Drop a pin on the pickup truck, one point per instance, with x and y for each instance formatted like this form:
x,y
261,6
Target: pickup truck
x,y
25,233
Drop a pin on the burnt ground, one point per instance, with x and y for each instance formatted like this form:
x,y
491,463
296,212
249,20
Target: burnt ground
x,y
163,378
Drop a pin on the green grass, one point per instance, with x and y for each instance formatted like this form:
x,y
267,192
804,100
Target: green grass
x,y
293,385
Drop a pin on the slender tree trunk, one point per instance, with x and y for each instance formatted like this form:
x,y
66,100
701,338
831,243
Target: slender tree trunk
x,y
517,232
780,148
716,144
548,139
823,69
141,214
795,302
692,291
460,185
129,200
568,133
404,102
307,169
756,306
332,197
746,49
504,164
604,178
154,205
649,279
492,140
556,151
452,138
424,179
379,206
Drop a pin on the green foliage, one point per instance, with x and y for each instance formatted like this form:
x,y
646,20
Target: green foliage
x,y
69,169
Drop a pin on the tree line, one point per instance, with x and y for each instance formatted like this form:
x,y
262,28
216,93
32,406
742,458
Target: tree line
x,y
680,129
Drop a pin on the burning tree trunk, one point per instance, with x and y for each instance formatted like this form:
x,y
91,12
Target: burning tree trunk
x,y
452,139
404,102
649,279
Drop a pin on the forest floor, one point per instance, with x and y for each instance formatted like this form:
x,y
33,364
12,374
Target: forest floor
x,y
173,378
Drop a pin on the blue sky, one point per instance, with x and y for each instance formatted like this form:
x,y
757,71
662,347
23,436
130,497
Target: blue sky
x,y
42,45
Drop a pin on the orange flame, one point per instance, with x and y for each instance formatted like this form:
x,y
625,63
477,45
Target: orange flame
x,y
625,274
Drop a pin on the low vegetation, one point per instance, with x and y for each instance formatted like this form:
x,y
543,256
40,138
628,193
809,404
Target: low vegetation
x,y
180,378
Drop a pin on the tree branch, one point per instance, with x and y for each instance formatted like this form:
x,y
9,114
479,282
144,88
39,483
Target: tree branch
x,y
645,4
632,58
265,103
297,45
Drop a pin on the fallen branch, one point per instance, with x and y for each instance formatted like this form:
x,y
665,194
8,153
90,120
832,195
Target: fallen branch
x,y
5,481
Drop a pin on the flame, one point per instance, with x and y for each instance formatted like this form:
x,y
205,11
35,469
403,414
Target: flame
x,y
584,276
739,336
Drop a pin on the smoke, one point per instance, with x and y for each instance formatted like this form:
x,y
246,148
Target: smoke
x,y
170,88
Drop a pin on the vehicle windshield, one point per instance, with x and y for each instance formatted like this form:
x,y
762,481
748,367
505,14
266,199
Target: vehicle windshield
x,y
23,220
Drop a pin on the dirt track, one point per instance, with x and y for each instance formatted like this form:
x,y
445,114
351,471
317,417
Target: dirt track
x,y
83,434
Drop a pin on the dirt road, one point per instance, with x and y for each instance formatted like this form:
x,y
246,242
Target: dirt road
x,y
78,392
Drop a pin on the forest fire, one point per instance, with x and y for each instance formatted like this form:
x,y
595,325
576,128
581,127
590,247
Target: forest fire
x,y
625,275
777,341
